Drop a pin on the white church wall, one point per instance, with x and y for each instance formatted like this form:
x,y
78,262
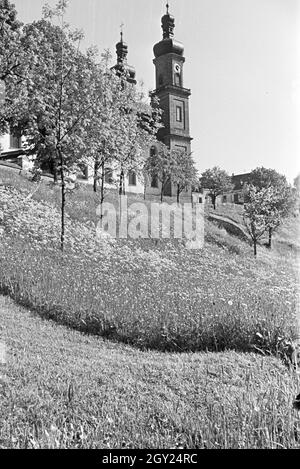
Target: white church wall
x,y
138,188
4,142
25,162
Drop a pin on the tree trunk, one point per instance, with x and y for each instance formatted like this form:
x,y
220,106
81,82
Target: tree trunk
x,y
102,182
96,169
102,191
121,190
162,192
55,176
63,200
270,238
178,194
214,199
255,248
55,172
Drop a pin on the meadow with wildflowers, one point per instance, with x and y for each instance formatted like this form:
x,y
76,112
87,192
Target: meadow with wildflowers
x,y
61,388
153,295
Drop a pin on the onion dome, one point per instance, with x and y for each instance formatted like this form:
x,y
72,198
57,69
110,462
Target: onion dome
x,y
168,44
131,73
122,51
168,24
122,68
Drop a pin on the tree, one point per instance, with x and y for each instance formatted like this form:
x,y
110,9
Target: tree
x,y
184,172
282,198
100,118
137,133
264,178
56,109
11,58
259,213
217,181
297,183
296,194
14,60
105,119
105,125
160,164
121,126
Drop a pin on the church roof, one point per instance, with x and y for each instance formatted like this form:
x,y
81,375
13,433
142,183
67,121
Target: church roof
x,y
238,180
168,44
122,66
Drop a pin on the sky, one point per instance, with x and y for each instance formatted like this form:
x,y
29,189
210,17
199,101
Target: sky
x,y
242,66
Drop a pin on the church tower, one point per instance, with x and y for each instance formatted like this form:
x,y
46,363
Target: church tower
x,y
173,97
122,67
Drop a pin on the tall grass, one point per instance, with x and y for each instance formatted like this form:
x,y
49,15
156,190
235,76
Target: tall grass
x,y
66,390
150,305
61,389
153,296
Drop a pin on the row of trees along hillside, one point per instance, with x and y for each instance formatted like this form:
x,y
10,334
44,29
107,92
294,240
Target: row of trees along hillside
x,y
268,197
72,108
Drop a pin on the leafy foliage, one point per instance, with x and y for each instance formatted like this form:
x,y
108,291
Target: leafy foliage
x,y
10,34
279,197
68,100
297,183
259,212
184,173
160,164
217,181
14,60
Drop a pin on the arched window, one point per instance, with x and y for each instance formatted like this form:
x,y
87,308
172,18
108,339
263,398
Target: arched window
x,y
153,151
177,79
154,182
108,176
132,178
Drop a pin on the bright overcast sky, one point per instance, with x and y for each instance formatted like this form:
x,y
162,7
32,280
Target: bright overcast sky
x,y
242,65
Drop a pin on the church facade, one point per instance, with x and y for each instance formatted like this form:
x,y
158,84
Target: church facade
x,y
173,100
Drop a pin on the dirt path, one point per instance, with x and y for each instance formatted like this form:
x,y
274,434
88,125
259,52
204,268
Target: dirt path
x,y
228,221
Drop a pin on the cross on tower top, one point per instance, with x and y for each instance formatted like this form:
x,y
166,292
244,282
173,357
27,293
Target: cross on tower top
x,y
121,28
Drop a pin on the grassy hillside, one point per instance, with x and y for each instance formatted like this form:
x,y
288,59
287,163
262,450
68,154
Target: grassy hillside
x,y
150,294
232,211
63,389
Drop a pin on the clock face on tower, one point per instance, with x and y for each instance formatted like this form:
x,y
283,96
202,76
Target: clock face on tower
x,y
177,74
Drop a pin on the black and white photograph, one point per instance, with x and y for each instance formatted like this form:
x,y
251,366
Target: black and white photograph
x,y
149,228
